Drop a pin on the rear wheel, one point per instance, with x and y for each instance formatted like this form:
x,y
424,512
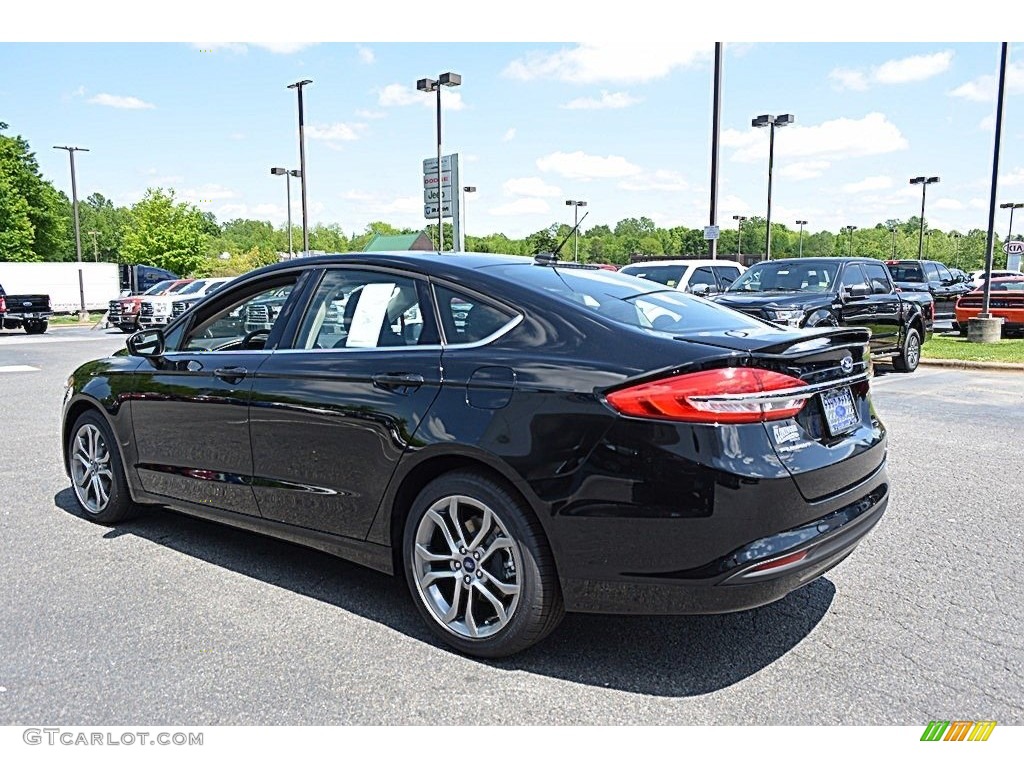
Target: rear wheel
x,y
97,475
128,328
479,567
908,360
36,326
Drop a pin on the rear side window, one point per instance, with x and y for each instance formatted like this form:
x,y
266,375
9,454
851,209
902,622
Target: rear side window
x,y
666,275
466,319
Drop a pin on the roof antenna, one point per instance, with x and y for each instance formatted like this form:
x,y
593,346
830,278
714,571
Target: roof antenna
x,y
545,257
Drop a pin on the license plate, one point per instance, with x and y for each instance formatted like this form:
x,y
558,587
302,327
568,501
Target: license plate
x,y
840,412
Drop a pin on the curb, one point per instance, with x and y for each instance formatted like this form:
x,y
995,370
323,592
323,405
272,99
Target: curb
x,y
972,365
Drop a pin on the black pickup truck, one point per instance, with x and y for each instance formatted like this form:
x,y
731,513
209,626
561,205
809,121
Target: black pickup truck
x,y
812,293
930,277
29,311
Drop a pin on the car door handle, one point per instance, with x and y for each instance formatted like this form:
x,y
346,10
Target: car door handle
x,y
410,381
232,374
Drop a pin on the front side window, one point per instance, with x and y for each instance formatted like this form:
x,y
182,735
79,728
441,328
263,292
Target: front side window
x,y
853,277
244,323
726,276
359,309
702,279
877,278
931,272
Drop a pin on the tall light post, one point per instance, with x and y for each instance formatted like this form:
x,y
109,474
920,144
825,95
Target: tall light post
x,y
426,85
576,205
772,122
739,234
849,228
801,222
95,246
465,191
892,231
82,314
956,247
298,86
924,181
1012,207
288,191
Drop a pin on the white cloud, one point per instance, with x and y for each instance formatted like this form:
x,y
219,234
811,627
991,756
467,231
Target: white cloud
x,y
366,55
1013,178
509,135
398,95
893,72
237,136
208,192
988,123
120,102
947,204
837,139
869,184
79,91
619,100
521,206
282,48
578,165
334,132
608,62
809,169
913,69
978,203
369,114
659,181
848,79
530,187
227,47
399,205
984,88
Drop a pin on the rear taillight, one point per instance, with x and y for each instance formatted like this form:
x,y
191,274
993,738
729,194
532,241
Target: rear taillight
x,y
722,395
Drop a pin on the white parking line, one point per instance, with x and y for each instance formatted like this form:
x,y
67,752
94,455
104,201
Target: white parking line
x,y
17,368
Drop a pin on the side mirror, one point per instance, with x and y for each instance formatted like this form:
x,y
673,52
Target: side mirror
x,y
147,343
700,289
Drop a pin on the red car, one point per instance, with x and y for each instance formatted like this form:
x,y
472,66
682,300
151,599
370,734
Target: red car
x,y
1006,301
124,312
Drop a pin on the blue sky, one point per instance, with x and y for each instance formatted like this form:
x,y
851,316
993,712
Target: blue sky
x,y
625,126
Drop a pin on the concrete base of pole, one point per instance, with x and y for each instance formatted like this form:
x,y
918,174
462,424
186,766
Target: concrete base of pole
x,y
984,329
83,316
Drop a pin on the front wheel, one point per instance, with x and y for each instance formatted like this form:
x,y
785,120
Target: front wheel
x,y
97,475
479,567
907,361
128,328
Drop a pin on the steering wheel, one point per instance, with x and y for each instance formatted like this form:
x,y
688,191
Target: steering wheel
x,y
246,342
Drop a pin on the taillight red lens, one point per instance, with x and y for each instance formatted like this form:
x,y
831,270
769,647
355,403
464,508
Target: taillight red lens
x,y
722,395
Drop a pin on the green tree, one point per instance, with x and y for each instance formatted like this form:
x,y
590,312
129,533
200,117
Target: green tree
x,y
16,231
165,234
44,206
98,214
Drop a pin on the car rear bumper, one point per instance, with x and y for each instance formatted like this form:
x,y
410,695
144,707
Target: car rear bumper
x,y
742,579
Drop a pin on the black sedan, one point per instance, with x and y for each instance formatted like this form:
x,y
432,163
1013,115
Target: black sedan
x,y
516,437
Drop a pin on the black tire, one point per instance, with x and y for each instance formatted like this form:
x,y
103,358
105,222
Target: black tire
x,y
537,607
119,505
126,328
36,326
908,360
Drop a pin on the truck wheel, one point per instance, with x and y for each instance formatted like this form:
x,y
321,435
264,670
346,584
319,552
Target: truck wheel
x,y
97,475
911,355
36,326
126,328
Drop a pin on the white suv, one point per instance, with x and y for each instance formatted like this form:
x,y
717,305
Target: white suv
x,y
699,276
157,311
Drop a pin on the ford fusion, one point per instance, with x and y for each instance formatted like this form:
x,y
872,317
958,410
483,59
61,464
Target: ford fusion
x,y
516,438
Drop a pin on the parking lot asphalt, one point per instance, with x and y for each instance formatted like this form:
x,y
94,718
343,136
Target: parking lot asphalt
x,y
169,620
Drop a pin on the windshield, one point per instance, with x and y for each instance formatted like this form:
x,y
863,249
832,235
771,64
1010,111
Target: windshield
x,y
160,287
788,277
907,273
666,275
194,287
629,300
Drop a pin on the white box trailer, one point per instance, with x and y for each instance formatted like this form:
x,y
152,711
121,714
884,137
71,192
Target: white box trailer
x,y
59,279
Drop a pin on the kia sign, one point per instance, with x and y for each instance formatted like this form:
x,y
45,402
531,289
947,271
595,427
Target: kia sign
x,y
1013,247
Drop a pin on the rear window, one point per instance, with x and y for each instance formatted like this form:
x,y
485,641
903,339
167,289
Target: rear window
x,y
666,275
627,299
1008,285
906,273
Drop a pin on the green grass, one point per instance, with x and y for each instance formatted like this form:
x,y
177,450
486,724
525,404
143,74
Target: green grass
x,y
94,317
959,348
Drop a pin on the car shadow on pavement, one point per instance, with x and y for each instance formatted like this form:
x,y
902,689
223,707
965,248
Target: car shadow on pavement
x,y
674,656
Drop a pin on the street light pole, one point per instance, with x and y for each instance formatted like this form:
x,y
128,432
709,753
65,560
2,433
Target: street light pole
x,y
298,86
576,205
95,247
739,235
716,123
426,85
772,122
288,191
924,181
463,209
893,231
801,222
82,313
1012,207
849,228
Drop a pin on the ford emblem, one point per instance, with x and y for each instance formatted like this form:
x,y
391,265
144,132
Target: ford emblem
x,y
846,364
26,303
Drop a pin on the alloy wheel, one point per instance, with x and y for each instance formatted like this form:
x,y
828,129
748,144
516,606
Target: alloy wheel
x,y
91,472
